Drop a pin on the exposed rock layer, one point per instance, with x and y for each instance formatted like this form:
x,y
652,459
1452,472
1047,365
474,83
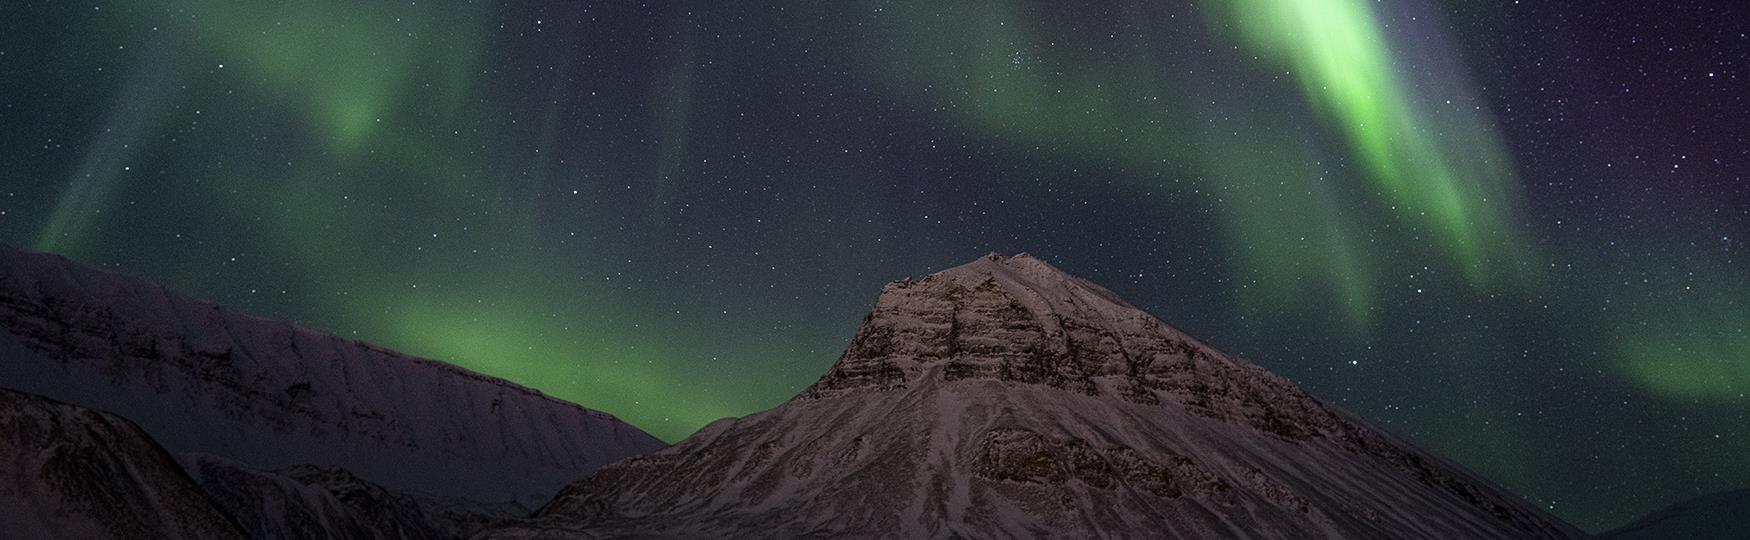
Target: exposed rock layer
x,y
1004,398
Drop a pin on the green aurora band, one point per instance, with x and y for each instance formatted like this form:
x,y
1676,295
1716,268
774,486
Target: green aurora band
x,y
1458,182
1438,174
371,158
348,94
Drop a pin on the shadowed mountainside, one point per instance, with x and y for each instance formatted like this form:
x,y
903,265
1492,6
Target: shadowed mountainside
x,y
1004,398
200,378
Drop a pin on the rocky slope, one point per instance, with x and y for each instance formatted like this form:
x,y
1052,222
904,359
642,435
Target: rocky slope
x,y
316,502
1004,398
200,378
71,472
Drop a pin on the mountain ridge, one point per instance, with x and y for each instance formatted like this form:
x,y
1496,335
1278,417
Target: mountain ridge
x,y
12,252
73,472
1006,398
1713,515
271,394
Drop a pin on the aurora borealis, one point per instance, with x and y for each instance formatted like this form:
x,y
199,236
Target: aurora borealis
x,y
1510,232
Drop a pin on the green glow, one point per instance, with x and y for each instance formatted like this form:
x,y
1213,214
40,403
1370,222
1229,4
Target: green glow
x,y
504,339
1455,182
1692,367
1695,357
1425,179
104,168
356,79
1321,260
332,59
347,63
675,212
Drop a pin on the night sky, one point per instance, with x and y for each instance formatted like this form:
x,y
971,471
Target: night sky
x,y
1514,231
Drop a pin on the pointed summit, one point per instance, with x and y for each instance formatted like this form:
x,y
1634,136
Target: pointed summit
x,y
1006,398
1014,318
1021,320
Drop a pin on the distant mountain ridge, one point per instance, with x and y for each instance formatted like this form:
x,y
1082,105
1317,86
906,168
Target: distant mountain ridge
x,y
1001,398
1005,398
200,378
1721,516
314,502
71,472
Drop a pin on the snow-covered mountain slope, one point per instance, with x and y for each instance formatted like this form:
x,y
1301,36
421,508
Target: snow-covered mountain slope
x,y
1006,399
1719,516
316,502
71,472
200,378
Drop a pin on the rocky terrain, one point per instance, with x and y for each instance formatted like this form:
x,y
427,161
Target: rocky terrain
x,y
71,472
200,378
306,501
1006,399
280,431
79,473
1002,398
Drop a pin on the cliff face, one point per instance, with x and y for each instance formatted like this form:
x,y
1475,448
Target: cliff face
x,y
71,472
1004,398
199,378
1019,320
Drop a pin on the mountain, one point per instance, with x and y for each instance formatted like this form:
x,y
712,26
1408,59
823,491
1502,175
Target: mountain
x,y
1005,398
269,394
322,502
80,473
71,472
1717,516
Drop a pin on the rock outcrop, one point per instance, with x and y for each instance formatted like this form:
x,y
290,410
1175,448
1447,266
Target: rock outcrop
x,y
72,472
306,501
1005,398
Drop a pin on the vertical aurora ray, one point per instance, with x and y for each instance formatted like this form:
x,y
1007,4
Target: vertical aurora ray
x,y
1298,241
342,132
674,91
677,211
1450,175
1399,176
349,65
104,170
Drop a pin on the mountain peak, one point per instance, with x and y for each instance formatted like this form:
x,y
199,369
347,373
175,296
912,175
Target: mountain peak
x,y
1021,267
1005,397
1023,264
1015,318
